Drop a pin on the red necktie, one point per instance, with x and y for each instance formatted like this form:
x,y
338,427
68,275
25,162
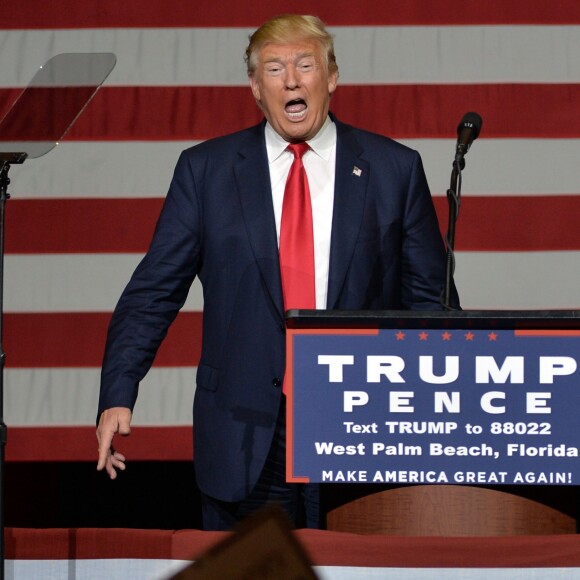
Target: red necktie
x,y
296,237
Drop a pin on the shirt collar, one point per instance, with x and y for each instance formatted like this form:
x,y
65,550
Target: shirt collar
x,y
322,143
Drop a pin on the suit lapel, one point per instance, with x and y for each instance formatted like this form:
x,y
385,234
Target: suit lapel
x,y
351,179
255,191
253,183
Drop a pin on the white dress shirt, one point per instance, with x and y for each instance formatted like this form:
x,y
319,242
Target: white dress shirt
x,y
319,164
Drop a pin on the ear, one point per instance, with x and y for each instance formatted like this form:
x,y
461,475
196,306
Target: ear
x,y
332,81
254,85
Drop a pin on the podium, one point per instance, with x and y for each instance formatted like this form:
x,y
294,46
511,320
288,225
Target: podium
x,y
437,423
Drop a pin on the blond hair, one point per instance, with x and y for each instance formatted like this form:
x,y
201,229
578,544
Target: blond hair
x,y
291,28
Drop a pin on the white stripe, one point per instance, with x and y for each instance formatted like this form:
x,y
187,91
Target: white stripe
x,y
458,54
518,280
73,282
382,54
69,396
144,169
427,573
98,169
122,568
94,569
505,166
486,280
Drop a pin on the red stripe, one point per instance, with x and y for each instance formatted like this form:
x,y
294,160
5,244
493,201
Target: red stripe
x,y
54,110
515,224
324,548
401,111
77,339
155,13
72,226
7,98
71,544
80,444
542,333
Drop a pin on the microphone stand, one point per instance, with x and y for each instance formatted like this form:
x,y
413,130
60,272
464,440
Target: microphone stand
x,y
454,201
467,131
5,161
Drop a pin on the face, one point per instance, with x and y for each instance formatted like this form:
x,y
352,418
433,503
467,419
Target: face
x,y
292,87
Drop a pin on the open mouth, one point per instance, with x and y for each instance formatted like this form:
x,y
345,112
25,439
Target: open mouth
x,y
296,109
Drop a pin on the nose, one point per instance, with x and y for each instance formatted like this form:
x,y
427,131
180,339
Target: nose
x,y
292,78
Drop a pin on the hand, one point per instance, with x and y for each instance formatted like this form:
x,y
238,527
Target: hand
x,y
114,420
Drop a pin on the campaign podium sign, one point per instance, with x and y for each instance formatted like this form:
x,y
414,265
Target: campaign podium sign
x,y
433,397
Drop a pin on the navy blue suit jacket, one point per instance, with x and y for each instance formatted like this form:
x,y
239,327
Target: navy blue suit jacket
x,y
218,223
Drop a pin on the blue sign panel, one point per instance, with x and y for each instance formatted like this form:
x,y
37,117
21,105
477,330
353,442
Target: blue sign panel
x,y
434,406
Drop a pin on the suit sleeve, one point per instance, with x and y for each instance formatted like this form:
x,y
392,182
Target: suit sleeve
x,y
156,292
423,251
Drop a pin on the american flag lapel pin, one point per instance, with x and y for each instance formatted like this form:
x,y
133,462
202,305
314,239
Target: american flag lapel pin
x,y
356,171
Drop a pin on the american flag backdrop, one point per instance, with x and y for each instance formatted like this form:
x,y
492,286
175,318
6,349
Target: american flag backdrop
x,y
81,217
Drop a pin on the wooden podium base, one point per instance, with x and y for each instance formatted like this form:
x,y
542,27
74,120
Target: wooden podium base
x,y
448,510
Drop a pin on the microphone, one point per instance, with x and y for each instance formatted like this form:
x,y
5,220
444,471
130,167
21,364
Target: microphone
x,y
467,132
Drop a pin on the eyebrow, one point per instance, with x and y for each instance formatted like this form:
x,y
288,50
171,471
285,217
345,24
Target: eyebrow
x,y
298,57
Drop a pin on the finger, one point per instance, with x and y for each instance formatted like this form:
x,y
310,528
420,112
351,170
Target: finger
x,y
105,439
124,427
118,463
115,461
119,456
110,470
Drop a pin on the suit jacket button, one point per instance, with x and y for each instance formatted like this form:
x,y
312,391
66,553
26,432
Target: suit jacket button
x,y
277,382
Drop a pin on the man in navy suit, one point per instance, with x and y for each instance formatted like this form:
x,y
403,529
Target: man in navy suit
x,y
377,246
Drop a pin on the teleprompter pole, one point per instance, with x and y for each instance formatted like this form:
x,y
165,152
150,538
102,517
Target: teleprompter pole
x,y
5,160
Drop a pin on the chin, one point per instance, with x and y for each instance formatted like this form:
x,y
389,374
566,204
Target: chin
x,y
300,134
